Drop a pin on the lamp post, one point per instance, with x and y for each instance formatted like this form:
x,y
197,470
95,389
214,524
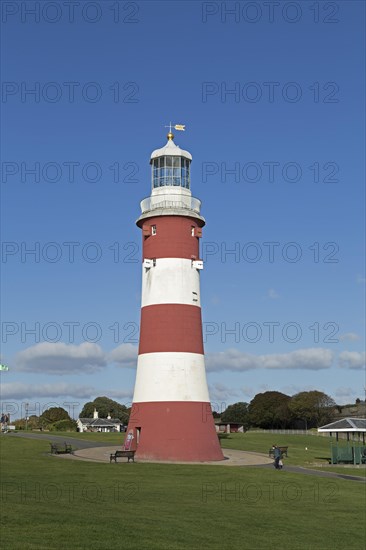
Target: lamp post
x,y
26,416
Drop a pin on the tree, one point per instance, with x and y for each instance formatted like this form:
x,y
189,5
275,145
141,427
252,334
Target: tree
x,y
315,408
32,424
270,410
64,426
237,414
53,415
105,406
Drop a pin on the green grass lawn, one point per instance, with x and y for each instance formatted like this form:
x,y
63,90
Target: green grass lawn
x,y
101,437
317,453
359,471
51,503
318,448
303,450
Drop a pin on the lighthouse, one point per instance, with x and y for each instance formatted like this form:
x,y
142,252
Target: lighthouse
x,y
171,417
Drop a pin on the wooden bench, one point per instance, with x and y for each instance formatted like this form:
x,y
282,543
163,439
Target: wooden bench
x,y
120,454
58,449
282,449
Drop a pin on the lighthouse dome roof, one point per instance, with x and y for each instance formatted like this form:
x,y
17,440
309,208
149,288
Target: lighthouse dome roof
x,y
170,149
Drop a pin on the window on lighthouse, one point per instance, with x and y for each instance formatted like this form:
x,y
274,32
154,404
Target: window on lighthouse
x,y
172,171
176,170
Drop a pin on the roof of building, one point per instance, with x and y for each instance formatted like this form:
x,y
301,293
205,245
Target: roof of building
x,y
345,425
170,149
100,422
219,422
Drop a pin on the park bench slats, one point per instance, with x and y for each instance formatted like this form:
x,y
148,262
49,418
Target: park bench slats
x,y
119,454
58,449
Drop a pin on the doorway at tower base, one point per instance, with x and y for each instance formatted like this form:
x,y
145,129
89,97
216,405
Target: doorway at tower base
x,y
181,431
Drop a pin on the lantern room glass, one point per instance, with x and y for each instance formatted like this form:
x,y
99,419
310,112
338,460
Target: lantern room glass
x,y
171,170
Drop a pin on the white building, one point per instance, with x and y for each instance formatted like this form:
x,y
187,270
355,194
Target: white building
x,y
97,424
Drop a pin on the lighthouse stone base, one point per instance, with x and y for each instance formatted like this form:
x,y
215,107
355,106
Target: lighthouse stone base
x,y
185,432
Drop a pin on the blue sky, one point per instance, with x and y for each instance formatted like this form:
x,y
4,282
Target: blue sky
x,y
272,97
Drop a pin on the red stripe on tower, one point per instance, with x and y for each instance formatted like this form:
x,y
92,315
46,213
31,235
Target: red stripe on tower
x,y
171,416
171,327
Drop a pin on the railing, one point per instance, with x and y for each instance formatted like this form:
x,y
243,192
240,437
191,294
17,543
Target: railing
x,y
285,432
341,435
170,201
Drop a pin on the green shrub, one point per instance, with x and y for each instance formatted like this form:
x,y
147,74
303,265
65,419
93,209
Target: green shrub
x,y
223,435
63,426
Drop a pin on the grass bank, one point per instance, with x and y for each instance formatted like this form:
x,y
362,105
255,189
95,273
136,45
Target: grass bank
x,y
58,503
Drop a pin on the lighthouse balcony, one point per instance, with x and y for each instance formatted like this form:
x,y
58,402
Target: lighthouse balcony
x,y
170,201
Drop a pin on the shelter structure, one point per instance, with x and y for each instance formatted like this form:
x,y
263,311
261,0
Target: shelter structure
x,y
352,448
228,427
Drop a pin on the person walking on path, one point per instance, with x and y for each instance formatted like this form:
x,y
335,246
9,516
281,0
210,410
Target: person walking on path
x,y
277,457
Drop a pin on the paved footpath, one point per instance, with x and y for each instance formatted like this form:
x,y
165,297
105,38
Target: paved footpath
x,y
80,443
232,457
320,473
93,451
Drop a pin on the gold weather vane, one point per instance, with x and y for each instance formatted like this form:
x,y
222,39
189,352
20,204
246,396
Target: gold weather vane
x,y
180,127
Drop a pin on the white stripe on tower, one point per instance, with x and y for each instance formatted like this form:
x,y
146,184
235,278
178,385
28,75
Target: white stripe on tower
x,y
171,376
171,281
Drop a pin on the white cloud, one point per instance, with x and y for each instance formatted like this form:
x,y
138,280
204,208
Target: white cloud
x,y
19,390
215,300
345,394
272,294
119,395
235,360
247,391
361,280
220,394
349,336
59,358
352,359
124,356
